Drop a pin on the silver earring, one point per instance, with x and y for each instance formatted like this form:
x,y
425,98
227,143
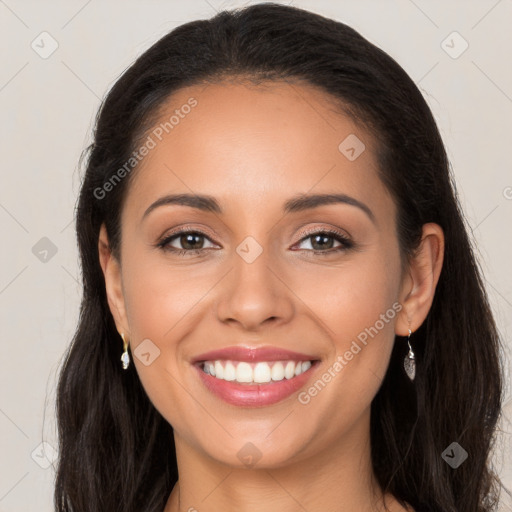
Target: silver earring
x,y
125,358
410,361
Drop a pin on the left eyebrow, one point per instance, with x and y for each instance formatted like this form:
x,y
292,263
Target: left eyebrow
x,y
305,202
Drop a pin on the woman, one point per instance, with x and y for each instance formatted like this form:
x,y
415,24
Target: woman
x,y
281,304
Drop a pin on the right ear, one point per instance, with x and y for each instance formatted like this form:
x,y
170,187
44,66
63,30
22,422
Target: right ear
x,y
113,282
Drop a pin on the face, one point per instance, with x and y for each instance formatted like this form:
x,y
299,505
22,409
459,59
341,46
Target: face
x,y
261,267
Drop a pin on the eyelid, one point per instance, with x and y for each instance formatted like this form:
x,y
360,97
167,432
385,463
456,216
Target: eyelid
x,y
344,239
187,229
324,229
303,234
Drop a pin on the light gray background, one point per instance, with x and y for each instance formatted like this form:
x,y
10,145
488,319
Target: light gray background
x,y
48,107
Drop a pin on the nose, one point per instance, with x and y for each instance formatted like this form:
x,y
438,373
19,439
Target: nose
x,y
255,294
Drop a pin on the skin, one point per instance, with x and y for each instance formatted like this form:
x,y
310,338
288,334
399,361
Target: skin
x,y
252,148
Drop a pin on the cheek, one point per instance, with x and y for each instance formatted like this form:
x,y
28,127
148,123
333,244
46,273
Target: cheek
x,y
164,304
161,305
159,296
351,297
357,305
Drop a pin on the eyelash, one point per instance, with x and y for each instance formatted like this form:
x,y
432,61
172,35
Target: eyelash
x,y
346,243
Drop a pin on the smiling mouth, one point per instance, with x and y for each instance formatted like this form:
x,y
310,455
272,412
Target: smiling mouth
x,y
262,372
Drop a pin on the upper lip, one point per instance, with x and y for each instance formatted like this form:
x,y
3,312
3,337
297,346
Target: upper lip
x,y
249,354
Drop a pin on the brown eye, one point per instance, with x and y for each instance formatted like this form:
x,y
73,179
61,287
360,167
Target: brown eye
x,y
320,242
323,242
190,242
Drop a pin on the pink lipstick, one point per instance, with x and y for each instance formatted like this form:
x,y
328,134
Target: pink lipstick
x,y
254,377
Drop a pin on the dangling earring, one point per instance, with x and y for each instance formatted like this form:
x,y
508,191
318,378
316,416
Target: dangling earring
x,y
410,361
125,358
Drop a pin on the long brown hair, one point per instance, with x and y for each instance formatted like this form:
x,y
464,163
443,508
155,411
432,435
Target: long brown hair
x,y
116,451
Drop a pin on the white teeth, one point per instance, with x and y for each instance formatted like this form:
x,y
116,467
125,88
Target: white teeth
x,y
243,372
262,373
229,371
289,371
209,368
219,370
255,373
278,371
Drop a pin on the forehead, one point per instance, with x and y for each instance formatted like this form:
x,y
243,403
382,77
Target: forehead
x,y
248,145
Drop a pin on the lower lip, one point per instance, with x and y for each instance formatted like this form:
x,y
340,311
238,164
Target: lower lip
x,y
255,395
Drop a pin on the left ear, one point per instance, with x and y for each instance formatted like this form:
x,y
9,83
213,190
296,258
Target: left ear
x,y
419,286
